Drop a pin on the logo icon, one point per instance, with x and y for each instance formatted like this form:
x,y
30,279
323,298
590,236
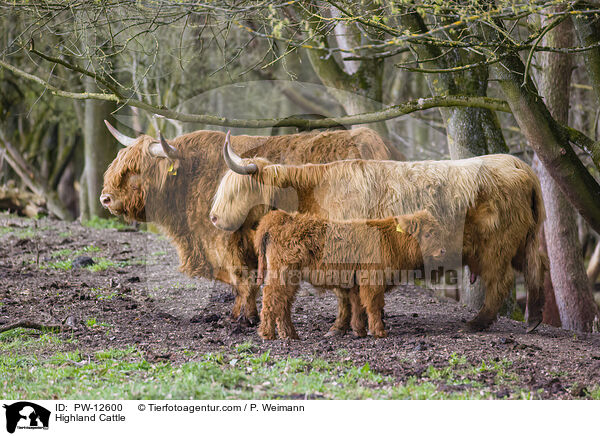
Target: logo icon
x,y
26,415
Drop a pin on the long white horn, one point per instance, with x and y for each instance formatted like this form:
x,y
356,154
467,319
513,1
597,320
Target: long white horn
x,y
163,148
234,162
123,139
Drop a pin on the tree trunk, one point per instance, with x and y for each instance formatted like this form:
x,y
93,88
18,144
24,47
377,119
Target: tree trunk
x,y
550,314
99,150
570,283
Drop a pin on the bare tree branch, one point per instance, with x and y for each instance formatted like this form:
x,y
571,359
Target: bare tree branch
x,y
579,138
32,325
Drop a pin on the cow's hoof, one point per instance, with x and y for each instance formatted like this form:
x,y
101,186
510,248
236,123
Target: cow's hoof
x,y
532,324
245,321
333,332
235,314
253,320
359,333
477,325
378,334
267,336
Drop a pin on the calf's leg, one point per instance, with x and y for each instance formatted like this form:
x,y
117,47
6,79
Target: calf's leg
x,y
359,316
285,326
342,321
266,329
276,310
372,298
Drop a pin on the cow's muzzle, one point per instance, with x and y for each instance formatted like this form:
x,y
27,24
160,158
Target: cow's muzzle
x,y
106,200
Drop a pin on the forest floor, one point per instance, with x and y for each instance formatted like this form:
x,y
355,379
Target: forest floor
x,y
134,327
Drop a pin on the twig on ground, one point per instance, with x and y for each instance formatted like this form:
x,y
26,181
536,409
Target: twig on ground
x,y
32,325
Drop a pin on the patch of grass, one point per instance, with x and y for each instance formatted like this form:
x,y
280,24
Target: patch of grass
x,y
64,259
132,262
244,373
19,232
104,223
66,252
241,372
455,360
91,322
64,265
595,393
101,264
27,340
104,294
245,347
462,375
116,354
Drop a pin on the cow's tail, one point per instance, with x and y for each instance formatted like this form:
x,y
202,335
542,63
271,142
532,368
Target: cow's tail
x,y
536,262
262,240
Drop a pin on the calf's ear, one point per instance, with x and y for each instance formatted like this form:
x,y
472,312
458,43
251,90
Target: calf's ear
x,y
407,225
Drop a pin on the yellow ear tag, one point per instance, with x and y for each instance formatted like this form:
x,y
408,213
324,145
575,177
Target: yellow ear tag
x,y
171,170
399,229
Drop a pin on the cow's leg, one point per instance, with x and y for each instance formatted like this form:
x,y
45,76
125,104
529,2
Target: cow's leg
x,y
372,298
359,316
342,321
237,305
239,263
244,307
498,283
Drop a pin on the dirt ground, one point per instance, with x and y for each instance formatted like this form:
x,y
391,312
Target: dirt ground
x,y
141,299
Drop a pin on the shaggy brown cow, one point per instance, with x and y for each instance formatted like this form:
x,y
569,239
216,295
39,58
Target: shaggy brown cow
x,y
494,202
353,254
172,184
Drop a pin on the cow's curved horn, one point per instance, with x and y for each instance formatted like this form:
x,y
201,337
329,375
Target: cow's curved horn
x,y
234,162
123,139
163,148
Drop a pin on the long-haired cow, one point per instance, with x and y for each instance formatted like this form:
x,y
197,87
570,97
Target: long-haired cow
x,y
358,255
494,202
172,184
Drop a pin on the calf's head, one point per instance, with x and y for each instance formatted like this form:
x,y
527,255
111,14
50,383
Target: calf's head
x,y
426,230
138,172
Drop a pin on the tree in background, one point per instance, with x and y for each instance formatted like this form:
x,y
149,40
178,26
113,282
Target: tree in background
x,y
572,294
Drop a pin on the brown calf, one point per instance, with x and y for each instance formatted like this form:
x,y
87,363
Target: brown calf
x,y
338,254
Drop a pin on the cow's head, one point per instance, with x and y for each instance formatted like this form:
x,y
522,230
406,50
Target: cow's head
x,y
139,170
427,230
246,190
